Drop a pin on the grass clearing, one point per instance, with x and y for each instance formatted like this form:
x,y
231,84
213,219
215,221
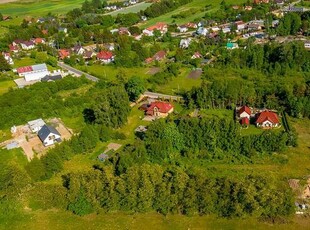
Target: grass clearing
x,y
195,5
34,8
5,86
179,84
56,220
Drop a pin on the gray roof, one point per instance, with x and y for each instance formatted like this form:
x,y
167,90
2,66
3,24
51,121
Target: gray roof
x,y
45,131
51,78
36,123
39,67
103,156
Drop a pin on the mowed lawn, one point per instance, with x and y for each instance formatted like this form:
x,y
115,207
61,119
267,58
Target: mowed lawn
x,y
38,7
58,220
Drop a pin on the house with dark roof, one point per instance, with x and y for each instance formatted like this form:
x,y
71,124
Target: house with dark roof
x,y
267,119
159,109
49,135
27,45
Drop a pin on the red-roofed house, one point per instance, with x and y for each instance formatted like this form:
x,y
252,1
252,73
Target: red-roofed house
x,y
267,119
159,109
13,48
160,26
62,54
160,55
245,121
244,111
196,55
38,41
105,56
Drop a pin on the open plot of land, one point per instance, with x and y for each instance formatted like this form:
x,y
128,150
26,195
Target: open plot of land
x,y
131,9
153,70
179,84
195,74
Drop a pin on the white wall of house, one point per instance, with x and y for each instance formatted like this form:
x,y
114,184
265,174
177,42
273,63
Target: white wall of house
x,y
245,114
50,139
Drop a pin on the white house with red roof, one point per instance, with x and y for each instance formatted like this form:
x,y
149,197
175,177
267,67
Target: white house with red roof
x,y
267,119
159,109
160,26
63,53
38,41
244,111
105,57
33,73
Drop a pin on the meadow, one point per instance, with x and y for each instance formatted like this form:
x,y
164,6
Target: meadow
x,y
197,6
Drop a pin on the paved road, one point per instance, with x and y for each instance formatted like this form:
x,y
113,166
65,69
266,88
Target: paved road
x,y
164,96
77,72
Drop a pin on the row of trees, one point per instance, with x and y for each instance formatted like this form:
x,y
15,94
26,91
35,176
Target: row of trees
x,y
148,188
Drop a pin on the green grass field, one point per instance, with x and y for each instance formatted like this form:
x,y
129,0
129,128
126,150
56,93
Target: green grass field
x,y
59,220
196,5
5,86
38,7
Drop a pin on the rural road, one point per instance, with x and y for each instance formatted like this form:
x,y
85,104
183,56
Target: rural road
x,y
77,72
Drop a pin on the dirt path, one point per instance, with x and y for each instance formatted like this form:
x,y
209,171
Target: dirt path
x,y
7,1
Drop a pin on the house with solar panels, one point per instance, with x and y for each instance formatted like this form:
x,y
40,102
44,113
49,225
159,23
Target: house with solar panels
x,y
34,72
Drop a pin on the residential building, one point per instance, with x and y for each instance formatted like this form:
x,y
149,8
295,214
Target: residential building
x,y
267,119
63,53
182,29
160,26
185,42
244,112
160,55
196,55
27,45
8,58
159,109
33,73
105,57
49,135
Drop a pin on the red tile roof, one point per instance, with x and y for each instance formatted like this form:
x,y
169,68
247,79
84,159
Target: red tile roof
x,y
267,116
24,69
106,55
38,40
158,26
163,107
63,53
244,109
159,55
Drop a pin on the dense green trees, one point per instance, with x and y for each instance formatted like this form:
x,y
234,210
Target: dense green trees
x,y
111,108
173,190
134,88
4,65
